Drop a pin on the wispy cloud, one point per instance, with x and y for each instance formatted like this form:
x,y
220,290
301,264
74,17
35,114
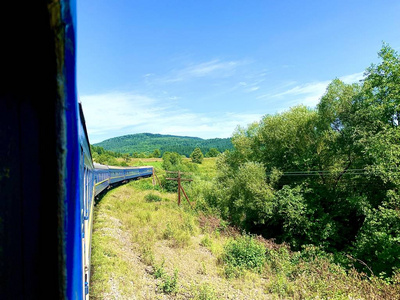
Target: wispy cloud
x,y
253,89
352,78
310,93
107,113
213,68
207,68
116,113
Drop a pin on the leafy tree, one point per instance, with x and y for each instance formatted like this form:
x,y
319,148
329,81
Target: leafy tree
x,y
171,161
213,152
197,156
326,176
156,153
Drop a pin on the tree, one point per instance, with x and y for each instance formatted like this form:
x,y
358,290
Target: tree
x,y
213,152
326,176
171,161
156,153
197,156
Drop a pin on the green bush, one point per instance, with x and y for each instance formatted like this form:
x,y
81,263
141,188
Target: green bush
x,y
378,242
152,198
159,271
169,284
197,156
243,253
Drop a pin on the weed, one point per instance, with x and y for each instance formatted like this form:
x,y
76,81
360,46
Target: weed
x,y
280,260
179,237
147,254
206,241
159,270
169,284
144,216
168,232
205,292
203,269
281,286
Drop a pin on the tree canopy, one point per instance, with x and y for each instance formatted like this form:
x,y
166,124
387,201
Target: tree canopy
x,y
197,156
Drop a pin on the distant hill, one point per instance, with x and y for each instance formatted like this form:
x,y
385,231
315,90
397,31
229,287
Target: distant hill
x,y
148,142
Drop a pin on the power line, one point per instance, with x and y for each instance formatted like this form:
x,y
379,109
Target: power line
x,y
364,172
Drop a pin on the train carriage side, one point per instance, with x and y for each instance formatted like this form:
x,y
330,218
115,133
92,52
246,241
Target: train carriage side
x,y
101,178
105,176
136,172
117,174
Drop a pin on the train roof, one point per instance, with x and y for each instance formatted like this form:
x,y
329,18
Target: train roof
x,y
106,167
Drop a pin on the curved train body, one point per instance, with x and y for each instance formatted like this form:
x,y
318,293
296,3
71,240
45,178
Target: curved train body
x,y
94,179
48,180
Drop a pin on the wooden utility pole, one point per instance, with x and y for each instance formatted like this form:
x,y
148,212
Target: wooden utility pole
x,y
156,177
180,187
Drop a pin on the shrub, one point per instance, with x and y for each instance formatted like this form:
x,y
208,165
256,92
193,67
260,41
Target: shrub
x,y
152,198
205,292
159,271
170,160
206,241
242,253
143,184
197,156
281,285
378,243
169,284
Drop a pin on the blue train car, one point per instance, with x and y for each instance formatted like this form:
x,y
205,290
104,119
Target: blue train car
x,y
94,179
48,180
108,175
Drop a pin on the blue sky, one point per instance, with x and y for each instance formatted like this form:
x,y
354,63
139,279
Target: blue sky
x,y
201,68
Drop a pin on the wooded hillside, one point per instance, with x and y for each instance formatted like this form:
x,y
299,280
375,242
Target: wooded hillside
x,y
148,142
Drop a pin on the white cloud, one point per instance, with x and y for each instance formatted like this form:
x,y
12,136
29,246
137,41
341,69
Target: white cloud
x,y
107,113
310,93
352,78
116,113
207,68
253,89
213,68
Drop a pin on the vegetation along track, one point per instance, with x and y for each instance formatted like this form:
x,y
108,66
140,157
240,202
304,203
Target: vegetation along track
x,y
146,247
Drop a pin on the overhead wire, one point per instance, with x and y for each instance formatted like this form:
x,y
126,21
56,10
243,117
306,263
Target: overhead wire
x,y
334,173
